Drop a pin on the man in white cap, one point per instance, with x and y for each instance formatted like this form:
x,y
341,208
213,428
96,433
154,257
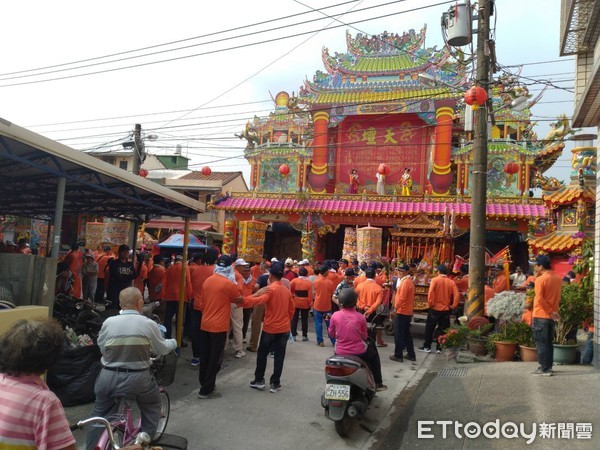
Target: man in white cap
x,y
306,264
518,279
288,271
246,286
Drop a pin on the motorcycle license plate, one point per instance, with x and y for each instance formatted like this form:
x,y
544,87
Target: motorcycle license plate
x,y
337,392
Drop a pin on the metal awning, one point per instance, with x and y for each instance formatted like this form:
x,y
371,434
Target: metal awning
x,y
31,165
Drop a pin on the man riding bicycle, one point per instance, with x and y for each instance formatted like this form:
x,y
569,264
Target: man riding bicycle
x,y
126,341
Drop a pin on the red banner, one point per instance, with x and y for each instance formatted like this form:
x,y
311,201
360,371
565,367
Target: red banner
x,y
398,140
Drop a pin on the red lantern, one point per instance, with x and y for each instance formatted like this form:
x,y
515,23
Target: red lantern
x,y
383,169
284,169
143,173
476,96
511,168
206,171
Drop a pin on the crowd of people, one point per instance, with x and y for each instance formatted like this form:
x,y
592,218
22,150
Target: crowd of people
x,y
226,297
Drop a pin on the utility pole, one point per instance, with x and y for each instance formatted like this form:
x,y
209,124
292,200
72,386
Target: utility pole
x,y
474,306
139,152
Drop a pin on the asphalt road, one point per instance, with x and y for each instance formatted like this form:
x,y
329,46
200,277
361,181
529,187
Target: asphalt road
x,y
244,418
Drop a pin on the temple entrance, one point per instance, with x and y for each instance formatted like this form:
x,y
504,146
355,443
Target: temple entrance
x,y
331,245
282,241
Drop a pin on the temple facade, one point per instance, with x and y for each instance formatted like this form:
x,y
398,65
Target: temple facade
x,y
381,136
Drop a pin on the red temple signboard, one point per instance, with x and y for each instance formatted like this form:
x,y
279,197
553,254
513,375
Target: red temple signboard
x,y
397,140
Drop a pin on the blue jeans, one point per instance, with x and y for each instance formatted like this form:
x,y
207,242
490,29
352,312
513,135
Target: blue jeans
x,y
319,317
543,331
588,352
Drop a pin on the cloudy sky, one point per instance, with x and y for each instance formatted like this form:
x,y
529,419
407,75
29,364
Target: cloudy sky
x,y
193,72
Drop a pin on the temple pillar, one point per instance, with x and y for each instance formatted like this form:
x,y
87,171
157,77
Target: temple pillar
x,y
309,244
441,176
229,235
318,177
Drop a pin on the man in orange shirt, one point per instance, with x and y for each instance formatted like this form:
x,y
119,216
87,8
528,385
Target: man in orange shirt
x,y
370,296
102,262
403,306
547,288
488,294
279,309
306,264
198,277
500,284
322,307
74,260
140,280
219,291
171,291
442,297
302,290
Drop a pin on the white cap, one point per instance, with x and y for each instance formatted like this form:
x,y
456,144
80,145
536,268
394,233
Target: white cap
x,y
304,262
274,260
289,262
240,262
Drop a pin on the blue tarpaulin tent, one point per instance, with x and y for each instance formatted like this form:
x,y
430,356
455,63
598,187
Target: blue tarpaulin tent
x,y
176,241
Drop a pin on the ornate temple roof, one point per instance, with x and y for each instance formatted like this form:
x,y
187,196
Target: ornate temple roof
x,y
282,203
555,242
381,68
570,194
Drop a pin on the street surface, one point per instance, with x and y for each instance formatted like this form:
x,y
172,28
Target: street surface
x,y
292,418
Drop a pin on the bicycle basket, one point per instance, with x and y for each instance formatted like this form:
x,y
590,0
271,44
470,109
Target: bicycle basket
x,y
164,368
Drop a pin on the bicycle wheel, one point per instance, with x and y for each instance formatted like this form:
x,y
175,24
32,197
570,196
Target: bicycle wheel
x,y
165,411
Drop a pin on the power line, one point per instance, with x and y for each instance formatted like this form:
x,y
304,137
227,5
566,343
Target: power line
x,y
245,45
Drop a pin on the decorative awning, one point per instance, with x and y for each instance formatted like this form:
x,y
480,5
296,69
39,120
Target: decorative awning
x,y
179,225
377,208
555,242
570,194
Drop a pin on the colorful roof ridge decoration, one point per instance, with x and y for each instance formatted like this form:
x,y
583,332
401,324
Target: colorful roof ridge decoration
x,y
421,222
384,67
373,207
570,194
555,242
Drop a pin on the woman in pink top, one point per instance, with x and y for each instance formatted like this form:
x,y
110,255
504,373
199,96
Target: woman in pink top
x,y
349,329
31,416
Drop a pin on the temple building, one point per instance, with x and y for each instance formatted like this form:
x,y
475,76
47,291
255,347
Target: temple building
x,y
382,137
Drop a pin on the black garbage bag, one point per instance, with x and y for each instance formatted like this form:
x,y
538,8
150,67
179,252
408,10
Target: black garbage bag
x,y
73,378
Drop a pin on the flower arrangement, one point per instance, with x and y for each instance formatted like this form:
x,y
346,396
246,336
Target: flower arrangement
x,y
455,336
507,306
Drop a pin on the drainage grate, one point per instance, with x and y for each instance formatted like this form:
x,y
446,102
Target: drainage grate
x,y
452,372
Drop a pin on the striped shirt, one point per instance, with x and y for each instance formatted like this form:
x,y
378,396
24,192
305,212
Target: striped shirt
x,y
127,339
31,416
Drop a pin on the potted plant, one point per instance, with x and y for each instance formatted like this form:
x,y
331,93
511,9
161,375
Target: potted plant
x,y
575,307
503,343
507,307
454,337
477,339
526,342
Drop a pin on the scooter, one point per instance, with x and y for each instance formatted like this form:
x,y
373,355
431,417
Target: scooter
x,y
349,389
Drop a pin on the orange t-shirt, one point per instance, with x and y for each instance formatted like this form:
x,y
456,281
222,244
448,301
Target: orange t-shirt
x,y
548,287
102,262
172,282
310,271
335,278
199,276
405,297
302,290
218,293
155,276
462,284
279,308
358,280
323,292
370,295
443,294
246,288
255,271
381,278
141,278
